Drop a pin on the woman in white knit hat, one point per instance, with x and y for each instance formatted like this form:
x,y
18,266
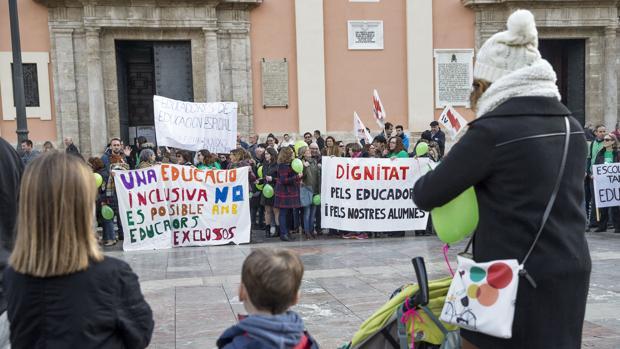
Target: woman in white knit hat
x,y
512,155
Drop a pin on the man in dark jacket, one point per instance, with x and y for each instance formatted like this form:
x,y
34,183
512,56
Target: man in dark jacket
x,y
319,140
436,134
520,114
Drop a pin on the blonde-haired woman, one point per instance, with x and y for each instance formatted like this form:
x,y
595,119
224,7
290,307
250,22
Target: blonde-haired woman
x,y
62,291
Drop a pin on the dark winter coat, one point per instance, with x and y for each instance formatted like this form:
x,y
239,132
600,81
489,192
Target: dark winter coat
x,y
100,307
312,176
11,168
287,188
284,331
513,183
439,138
270,170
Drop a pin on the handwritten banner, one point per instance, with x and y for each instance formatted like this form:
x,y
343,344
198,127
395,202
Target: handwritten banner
x,y
371,194
606,184
196,126
169,205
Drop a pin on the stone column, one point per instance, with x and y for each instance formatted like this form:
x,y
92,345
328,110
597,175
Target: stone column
x,y
420,67
212,62
65,86
241,73
310,40
610,79
96,102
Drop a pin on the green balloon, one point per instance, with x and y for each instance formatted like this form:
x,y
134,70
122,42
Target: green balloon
x,y
268,191
421,149
458,218
107,212
298,145
316,200
98,179
260,186
297,166
260,171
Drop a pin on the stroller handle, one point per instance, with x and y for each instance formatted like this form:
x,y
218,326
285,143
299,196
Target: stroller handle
x,y
421,297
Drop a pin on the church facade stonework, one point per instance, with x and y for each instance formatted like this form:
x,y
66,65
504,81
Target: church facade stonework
x,y
84,64
594,21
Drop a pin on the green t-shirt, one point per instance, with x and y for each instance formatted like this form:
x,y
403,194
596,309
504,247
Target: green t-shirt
x,y
609,156
400,154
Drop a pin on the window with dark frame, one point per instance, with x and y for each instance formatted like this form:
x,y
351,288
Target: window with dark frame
x,y
31,84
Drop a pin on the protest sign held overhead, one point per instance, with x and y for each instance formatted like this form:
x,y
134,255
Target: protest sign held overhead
x,y
452,121
376,195
606,178
169,205
196,126
360,131
377,109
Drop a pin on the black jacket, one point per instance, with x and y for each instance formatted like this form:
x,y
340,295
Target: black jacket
x,y
439,138
600,157
11,168
513,183
101,307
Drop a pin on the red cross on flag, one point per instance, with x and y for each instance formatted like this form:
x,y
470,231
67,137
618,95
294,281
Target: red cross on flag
x,y
377,109
452,121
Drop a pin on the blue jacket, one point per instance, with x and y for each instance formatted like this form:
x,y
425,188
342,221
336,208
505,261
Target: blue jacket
x,y
284,331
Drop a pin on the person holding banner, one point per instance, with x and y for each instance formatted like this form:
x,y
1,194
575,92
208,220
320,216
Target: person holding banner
x,y
331,147
207,161
512,155
147,158
396,148
607,155
287,191
62,291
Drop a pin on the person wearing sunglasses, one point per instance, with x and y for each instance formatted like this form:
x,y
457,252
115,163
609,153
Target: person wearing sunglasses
x,y
607,155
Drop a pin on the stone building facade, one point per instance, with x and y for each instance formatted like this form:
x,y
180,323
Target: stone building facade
x,y
88,56
595,22
84,63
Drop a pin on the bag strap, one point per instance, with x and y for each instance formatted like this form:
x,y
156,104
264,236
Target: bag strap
x,y
550,203
554,195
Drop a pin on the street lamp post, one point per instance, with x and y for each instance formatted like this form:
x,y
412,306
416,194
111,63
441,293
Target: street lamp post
x,y
18,75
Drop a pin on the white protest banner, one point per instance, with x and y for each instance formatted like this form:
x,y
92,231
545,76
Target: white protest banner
x,y
360,131
169,205
362,195
196,126
377,109
452,121
606,178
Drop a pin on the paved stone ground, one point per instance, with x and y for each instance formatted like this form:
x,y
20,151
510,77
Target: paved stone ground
x,y
193,291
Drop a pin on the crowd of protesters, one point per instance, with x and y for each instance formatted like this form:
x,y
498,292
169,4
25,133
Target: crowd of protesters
x,y
291,210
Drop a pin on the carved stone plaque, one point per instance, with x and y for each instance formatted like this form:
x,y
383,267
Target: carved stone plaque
x,y
274,76
453,77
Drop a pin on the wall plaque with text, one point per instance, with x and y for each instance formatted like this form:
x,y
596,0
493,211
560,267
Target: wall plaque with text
x,y
274,79
365,35
454,71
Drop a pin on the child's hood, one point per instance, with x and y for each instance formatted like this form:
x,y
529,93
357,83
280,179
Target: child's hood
x,y
276,331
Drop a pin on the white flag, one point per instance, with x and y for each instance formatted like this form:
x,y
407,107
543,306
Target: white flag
x,y
360,131
452,121
377,109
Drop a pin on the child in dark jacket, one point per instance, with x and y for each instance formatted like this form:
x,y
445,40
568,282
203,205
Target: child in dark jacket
x,y
270,281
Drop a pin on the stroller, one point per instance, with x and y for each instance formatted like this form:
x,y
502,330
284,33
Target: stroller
x,y
411,314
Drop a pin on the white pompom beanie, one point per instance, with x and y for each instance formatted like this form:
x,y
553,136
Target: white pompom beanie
x,y
509,50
